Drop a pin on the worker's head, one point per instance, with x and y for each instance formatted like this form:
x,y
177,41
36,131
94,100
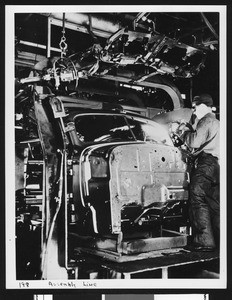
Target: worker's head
x,y
202,105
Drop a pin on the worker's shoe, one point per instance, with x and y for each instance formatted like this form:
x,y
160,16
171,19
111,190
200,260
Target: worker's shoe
x,y
199,248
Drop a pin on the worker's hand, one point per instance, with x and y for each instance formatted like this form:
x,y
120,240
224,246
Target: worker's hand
x,y
182,127
174,126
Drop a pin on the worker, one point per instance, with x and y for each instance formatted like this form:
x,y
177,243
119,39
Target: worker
x,y
204,208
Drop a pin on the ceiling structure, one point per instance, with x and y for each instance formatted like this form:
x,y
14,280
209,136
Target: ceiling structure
x,y
121,52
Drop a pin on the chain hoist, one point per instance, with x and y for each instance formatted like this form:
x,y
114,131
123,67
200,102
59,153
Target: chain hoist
x,y
63,45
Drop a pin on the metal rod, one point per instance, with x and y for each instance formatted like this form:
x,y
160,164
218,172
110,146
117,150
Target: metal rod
x,y
209,26
81,28
39,46
49,38
63,24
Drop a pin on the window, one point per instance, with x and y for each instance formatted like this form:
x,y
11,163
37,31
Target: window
x,y
95,128
102,128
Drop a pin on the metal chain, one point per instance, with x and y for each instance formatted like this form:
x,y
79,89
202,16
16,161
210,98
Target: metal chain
x,y
63,45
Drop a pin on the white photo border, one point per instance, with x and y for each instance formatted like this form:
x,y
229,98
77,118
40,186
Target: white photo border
x,y
11,282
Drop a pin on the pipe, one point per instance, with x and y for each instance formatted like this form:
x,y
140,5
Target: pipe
x,y
209,26
80,22
154,82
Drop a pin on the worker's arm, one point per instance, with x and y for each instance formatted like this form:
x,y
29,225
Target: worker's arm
x,y
194,139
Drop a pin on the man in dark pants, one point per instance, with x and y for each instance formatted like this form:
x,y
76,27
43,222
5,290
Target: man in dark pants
x,y
204,179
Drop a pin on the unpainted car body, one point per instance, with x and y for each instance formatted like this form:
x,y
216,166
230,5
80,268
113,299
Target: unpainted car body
x,y
127,168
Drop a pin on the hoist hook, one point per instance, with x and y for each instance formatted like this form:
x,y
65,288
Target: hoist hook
x,y
63,45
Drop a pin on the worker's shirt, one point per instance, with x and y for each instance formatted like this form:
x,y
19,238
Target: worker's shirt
x,y
207,129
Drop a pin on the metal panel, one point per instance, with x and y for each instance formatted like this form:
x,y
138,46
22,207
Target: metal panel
x,y
135,168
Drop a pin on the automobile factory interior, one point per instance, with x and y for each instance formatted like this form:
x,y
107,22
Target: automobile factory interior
x,y
101,180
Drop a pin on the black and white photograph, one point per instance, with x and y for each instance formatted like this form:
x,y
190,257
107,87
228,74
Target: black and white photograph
x,y
116,147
